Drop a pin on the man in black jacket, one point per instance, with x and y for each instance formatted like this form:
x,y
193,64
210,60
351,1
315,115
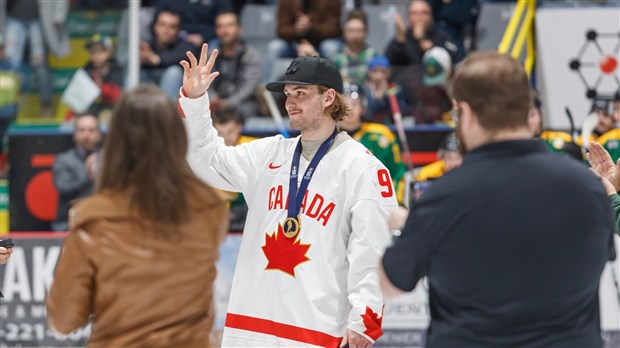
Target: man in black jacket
x,y
161,56
514,241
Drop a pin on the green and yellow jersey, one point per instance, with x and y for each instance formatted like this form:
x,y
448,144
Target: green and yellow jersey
x,y
383,144
430,171
611,142
556,140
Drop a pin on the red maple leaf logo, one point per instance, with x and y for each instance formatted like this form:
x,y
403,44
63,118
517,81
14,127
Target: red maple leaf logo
x,y
284,253
372,321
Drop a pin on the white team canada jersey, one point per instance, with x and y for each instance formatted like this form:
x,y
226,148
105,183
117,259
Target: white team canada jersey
x,y
303,291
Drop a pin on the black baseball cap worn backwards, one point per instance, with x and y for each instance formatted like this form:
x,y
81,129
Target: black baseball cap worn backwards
x,y
310,71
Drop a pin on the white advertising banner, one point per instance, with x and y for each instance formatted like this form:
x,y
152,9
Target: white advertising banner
x,y
578,54
26,278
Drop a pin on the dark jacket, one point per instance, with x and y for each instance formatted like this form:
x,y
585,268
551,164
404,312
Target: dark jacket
x,y
240,76
197,17
71,181
171,54
411,53
138,290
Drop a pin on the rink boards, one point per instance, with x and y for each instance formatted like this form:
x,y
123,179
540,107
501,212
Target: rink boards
x,y
26,278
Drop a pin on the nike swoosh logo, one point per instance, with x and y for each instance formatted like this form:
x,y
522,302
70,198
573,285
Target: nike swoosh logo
x,y
271,166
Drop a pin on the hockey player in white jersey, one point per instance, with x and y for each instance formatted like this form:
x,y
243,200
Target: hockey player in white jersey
x,y
316,226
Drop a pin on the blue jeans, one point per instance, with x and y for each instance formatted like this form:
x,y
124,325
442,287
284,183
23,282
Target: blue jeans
x,y
279,48
17,34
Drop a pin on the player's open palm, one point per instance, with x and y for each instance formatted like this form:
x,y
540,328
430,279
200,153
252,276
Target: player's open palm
x,y
197,75
601,162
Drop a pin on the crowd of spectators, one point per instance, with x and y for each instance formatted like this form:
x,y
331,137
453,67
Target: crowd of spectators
x,y
333,29
413,67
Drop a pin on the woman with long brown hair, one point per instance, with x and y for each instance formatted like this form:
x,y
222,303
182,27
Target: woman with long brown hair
x,y
140,255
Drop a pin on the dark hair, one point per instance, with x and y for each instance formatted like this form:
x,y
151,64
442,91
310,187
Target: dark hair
x,y
228,12
496,87
166,10
227,115
144,156
357,14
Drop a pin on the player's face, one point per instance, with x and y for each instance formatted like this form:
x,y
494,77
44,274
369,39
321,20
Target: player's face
x,y
304,106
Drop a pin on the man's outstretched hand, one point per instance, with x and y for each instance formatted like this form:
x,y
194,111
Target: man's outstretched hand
x,y
197,75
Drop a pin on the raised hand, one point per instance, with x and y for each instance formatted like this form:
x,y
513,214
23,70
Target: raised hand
x,y
197,75
401,29
601,162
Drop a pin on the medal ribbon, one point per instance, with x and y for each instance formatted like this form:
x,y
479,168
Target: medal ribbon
x,y
295,195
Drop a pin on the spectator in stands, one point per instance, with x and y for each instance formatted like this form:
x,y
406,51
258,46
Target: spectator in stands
x,y
378,90
229,125
9,94
448,158
197,17
605,113
353,58
106,73
305,28
240,68
40,24
160,57
376,137
602,113
98,5
5,255
409,44
557,141
74,171
434,104
609,127
152,226
455,18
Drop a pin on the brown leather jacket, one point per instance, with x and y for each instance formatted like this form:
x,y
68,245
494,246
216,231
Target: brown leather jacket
x,y
138,290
